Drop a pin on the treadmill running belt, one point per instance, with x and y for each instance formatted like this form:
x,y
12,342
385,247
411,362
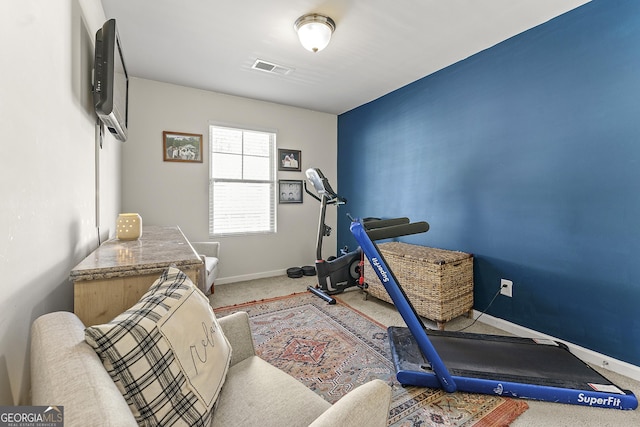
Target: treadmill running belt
x,y
497,357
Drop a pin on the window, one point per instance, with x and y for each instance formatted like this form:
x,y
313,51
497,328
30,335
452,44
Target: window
x,y
242,183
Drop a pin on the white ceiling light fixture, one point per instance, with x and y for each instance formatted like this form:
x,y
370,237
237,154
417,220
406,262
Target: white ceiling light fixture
x,y
314,31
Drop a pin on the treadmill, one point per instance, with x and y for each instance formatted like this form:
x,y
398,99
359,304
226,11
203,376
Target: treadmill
x,y
478,363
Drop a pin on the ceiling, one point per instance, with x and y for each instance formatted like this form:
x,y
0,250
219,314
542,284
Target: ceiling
x,y
378,45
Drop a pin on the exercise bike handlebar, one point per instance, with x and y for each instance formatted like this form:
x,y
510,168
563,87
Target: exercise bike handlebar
x,y
323,188
391,231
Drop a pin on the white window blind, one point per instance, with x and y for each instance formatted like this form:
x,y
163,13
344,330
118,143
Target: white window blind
x,y
242,183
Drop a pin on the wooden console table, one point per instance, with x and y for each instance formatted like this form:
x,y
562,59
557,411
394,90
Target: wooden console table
x,y
114,276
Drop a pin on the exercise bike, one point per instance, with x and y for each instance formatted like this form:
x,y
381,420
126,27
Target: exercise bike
x,y
335,274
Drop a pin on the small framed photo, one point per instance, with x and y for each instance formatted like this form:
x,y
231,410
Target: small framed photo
x,y
289,160
289,191
182,147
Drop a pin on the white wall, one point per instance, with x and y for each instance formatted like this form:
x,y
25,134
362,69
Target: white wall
x,y
169,193
47,170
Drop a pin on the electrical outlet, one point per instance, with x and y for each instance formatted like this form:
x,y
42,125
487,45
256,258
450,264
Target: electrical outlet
x,y
506,287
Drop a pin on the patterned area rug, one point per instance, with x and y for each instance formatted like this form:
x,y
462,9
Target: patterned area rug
x,y
334,348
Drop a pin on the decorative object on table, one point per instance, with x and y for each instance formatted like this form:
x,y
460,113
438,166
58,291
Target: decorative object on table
x,y
129,226
289,160
290,191
308,338
182,147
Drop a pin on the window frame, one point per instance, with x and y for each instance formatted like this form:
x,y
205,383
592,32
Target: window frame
x,y
272,181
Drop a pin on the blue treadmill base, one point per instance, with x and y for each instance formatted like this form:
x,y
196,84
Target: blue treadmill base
x,y
506,366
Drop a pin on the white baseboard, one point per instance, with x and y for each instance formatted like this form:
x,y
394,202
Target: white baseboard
x,y
589,356
244,277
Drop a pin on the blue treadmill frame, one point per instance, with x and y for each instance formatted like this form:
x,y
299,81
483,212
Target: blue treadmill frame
x,y
439,376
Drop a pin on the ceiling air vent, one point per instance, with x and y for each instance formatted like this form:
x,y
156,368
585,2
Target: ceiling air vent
x,y
270,67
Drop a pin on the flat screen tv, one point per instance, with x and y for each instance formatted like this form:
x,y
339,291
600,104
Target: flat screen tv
x,y
111,81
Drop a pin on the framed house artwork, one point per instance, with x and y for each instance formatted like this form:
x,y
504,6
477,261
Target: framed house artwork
x,y
182,147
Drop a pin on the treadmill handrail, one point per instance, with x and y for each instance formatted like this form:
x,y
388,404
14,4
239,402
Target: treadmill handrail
x,y
370,224
397,230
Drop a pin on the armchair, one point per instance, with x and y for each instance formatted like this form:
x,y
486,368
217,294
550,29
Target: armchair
x,y
209,252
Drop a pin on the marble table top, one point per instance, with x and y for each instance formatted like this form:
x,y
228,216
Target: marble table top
x,y
157,248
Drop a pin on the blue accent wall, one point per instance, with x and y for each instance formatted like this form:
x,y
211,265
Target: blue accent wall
x,y
528,156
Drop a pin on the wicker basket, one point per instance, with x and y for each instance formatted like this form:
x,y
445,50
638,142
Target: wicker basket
x,y
439,283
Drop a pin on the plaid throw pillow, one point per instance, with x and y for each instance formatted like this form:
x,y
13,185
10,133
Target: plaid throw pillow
x,y
167,354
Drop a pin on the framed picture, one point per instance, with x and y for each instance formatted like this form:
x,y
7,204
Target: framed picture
x,y
289,160
182,147
289,191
